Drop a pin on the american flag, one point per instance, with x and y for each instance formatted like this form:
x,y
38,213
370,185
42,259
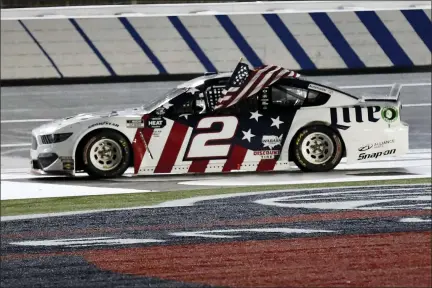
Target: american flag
x,y
245,82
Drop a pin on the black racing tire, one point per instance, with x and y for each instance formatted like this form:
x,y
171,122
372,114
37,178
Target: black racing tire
x,y
102,166
303,155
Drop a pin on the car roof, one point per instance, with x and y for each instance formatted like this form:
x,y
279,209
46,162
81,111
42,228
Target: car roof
x,y
200,80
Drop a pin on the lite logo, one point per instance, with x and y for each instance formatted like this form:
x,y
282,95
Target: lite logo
x,y
372,111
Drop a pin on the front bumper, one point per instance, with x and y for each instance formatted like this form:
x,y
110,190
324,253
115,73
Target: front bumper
x,y
51,158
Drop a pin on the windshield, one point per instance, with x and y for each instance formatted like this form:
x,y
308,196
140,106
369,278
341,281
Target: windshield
x,y
158,101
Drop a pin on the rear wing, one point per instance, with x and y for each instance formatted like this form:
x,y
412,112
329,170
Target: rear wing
x,y
393,96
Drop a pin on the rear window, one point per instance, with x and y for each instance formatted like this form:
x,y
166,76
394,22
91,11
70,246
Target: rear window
x,y
315,98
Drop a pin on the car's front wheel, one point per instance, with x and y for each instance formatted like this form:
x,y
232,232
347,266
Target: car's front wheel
x,y
106,155
317,149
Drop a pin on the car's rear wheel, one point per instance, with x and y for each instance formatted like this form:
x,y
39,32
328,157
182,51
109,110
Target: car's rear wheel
x,y
317,149
106,155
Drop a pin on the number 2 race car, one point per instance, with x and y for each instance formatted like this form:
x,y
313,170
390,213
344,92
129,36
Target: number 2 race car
x,y
262,119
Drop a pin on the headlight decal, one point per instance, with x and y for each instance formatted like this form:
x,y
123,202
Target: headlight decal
x,y
55,138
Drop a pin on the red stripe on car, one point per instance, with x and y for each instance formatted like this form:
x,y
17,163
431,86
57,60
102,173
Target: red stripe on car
x,y
138,145
236,159
172,148
266,165
198,166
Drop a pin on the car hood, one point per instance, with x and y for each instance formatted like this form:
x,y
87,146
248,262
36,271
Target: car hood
x,y
55,125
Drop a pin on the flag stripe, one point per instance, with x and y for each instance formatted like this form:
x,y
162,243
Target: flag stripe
x,y
255,80
171,148
236,159
198,166
268,79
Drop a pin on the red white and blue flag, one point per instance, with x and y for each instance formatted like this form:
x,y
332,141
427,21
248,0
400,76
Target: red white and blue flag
x,y
244,82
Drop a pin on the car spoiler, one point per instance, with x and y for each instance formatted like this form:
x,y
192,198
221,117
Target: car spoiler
x,y
393,96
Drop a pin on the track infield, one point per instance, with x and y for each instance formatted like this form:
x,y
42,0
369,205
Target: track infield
x,y
80,203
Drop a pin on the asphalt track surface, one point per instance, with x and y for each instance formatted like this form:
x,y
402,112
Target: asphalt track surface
x,y
22,107
383,244
285,239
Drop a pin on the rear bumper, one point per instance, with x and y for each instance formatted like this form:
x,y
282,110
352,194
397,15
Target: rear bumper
x,y
367,146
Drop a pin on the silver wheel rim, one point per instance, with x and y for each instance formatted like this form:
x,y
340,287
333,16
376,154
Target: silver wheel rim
x,y
317,148
105,154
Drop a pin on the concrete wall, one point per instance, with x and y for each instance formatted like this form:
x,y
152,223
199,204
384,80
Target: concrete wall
x,y
59,47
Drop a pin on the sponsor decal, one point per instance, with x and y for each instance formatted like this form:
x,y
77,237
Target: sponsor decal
x,y
267,154
375,145
357,111
160,111
320,89
105,123
156,132
365,147
271,140
135,123
375,155
389,114
68,163
156,122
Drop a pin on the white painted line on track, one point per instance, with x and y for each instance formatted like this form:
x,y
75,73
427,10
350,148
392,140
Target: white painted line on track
x,y
15,145
414,220
34,190
25,120
384,85
249,181
416,105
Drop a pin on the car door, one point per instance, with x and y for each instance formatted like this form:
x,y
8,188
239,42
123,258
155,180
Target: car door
x,y
247,136
265,122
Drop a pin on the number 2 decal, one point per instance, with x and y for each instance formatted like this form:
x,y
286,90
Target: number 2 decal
x,y
208,143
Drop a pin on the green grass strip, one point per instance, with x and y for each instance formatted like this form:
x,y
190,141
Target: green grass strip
x,y
77,203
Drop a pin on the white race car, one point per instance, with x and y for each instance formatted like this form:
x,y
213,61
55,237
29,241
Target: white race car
x,y
265,119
